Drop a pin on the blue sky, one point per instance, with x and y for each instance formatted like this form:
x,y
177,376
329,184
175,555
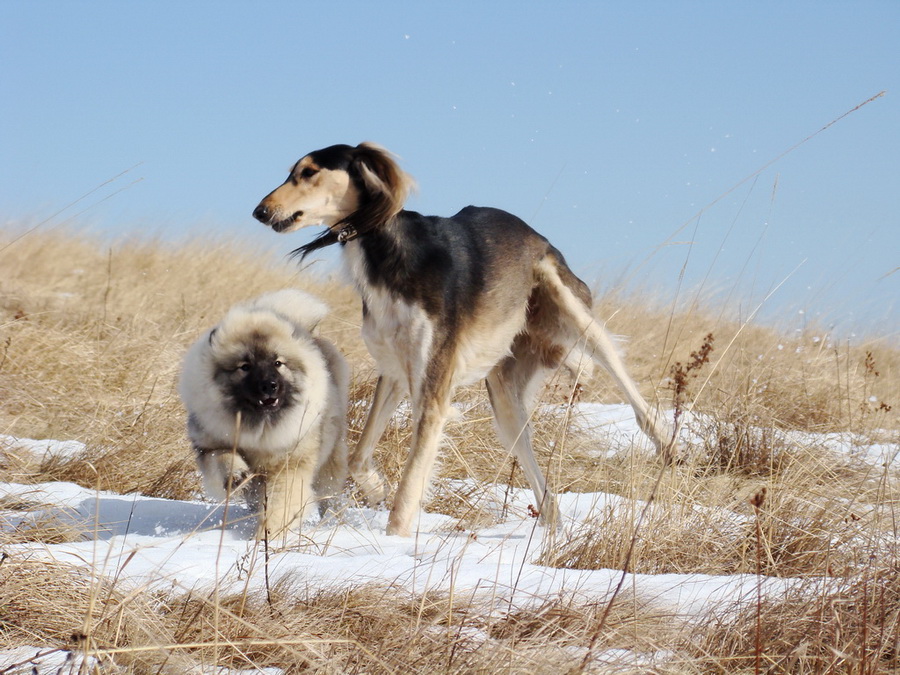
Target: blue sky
x,y
608,126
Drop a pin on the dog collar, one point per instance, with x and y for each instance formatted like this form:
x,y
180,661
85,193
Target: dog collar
x,y
347,233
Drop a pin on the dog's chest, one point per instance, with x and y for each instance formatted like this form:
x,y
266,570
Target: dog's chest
x,y
399,336
398,333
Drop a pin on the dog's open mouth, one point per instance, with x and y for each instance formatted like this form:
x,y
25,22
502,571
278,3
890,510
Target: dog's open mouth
x,y
269,402
283,225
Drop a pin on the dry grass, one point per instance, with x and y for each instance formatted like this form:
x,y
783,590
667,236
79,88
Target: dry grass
x,y
801,379
91,338
852,627
366,629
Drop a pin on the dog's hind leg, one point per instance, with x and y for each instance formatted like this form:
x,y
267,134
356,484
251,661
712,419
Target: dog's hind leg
x,y
510,387
388,393
601,348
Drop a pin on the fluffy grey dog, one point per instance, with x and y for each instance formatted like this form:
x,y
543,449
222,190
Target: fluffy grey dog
x,y
267,409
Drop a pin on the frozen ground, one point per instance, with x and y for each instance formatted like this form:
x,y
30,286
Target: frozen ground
x,y
180,545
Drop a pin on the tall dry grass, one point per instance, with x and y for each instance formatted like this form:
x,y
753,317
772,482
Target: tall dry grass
x,y
91,338
365,629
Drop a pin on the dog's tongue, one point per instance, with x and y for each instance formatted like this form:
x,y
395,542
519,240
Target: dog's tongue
x,y
269,402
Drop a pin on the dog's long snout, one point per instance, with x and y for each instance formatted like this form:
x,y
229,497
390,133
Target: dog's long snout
x,y
262,213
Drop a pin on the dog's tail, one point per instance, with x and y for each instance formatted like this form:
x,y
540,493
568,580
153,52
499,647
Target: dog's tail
x,y
601,347
298,307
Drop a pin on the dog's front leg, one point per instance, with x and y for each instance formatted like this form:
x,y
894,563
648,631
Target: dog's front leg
x,y
429,416
388,393
224,472
288,497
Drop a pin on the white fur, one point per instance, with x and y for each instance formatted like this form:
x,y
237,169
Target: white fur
x,y
484,346
302,308
397,334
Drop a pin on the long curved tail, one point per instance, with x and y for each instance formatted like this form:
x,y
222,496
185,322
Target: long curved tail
x,y
600,346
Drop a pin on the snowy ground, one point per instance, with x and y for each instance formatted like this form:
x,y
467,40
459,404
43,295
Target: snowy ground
x,y
179,545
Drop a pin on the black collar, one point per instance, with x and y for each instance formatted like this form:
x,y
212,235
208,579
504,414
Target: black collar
x,y
347,233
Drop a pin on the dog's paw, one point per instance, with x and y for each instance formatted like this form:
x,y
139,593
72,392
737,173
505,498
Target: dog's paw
x,y
237,480
372,487
224,473
549,515
397,529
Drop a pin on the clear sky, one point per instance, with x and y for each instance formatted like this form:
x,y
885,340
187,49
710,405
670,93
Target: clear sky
x,y
617,129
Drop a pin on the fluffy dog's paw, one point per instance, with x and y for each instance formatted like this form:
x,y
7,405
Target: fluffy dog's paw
x,y
371,486
224,472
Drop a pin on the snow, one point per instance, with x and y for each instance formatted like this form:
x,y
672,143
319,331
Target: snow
x,y
44,660
43,450
178,546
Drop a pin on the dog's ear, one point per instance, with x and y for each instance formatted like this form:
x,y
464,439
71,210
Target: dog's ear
x,y
385,185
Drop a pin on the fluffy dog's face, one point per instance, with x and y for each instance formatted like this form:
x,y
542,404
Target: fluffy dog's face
x,y
318,191
257,385
256,377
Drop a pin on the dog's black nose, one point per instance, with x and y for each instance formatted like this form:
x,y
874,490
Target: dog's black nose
x,y
269,388
261,213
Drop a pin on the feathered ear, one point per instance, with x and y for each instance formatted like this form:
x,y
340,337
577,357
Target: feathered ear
x,y
385,186
382,176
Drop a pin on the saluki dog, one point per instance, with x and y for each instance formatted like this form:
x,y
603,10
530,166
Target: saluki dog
x,y
446,301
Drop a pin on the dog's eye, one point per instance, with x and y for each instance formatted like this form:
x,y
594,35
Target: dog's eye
x,y
244,366
279,363
308,172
